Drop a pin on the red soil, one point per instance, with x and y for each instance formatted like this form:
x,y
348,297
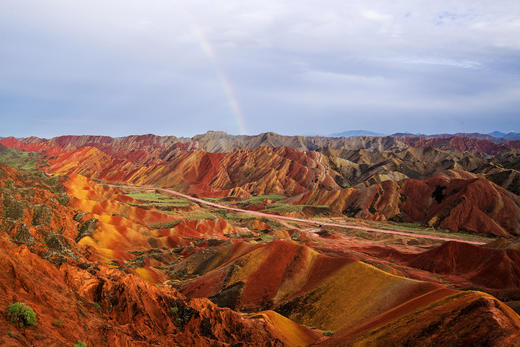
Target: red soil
x,y
488,267
456,200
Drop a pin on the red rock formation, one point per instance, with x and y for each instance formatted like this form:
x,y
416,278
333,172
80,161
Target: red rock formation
x,y
76,298
483,266
457,201
453,200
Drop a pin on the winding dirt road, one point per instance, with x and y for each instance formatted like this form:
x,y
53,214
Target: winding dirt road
x,y
293,219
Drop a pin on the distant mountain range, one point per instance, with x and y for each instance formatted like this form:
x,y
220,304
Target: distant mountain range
x,y
351,133
508,137
495,136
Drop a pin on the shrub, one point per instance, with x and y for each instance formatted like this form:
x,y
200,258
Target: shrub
x,y
328,333
80,343
86,229
42,215
13,208
63,199
98,306
21,313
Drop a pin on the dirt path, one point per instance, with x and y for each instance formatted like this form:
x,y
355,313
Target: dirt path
x,y
300,220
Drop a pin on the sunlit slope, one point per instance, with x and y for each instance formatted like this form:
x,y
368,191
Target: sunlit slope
x,y
262,170
330,293
119,227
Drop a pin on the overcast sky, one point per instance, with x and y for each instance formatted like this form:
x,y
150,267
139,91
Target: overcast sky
x,y
119,67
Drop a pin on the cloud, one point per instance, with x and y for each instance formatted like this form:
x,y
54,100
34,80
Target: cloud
x,y
466,64
159,65
376,16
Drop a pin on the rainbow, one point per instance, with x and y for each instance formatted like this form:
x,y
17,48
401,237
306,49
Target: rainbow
x,y
208,50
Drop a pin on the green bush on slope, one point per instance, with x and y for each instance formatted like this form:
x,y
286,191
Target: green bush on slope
x,y
22,314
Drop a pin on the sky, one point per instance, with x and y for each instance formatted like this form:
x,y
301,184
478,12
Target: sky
x,y
173,67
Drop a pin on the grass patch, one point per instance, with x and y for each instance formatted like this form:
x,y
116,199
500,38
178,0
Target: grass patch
x,y
196,215
260,198
420,229
279,207
26,161
165,225
158,200
267,238
232,215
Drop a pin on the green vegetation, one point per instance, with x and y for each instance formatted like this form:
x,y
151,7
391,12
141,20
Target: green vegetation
x,y
223,198
165,225
278,207
98,306
260,198
273,224
22,314
196,215
42,215
328,333
18,159
420,229
57,323
79,216
63,199
158,200
13,208
267,238
11,335
231,215
80,343
86,228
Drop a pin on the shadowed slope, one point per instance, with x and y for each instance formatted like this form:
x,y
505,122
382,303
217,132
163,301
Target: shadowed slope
x,y
464,318
492,268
